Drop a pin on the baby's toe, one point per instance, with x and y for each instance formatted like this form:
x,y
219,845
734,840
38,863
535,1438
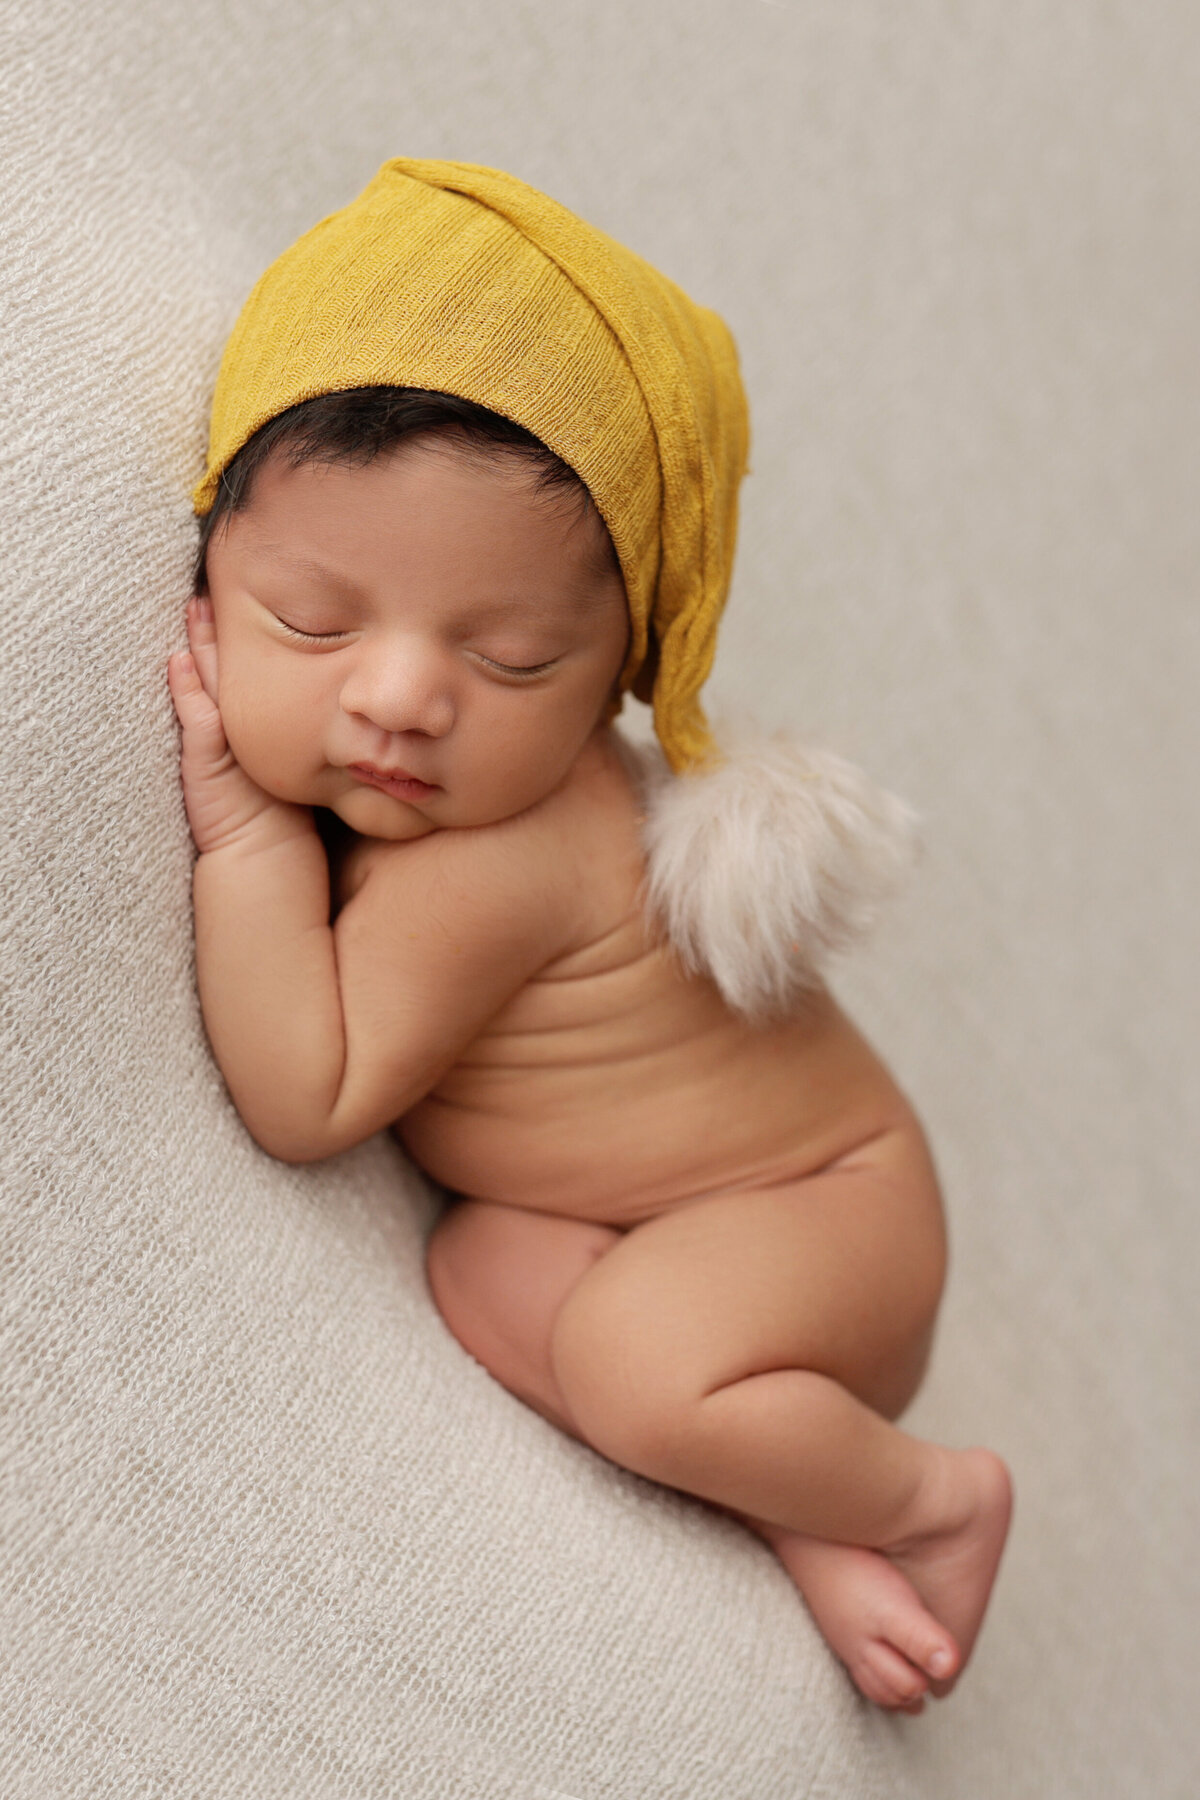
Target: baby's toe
x,y
924,1643
885,1677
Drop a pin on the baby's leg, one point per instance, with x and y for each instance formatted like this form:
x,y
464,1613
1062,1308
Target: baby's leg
x,y
502,1277
745,1347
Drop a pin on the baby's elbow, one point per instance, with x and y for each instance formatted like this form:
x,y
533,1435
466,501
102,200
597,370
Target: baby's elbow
x,y
311,1135
291,1143
316,1140
297,1154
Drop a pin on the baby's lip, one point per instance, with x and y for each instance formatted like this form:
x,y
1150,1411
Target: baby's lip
x,y
399,780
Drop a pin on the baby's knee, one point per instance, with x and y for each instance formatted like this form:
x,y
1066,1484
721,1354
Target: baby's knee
x,y
499,1275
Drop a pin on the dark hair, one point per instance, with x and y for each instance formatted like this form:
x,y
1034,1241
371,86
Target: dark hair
x,y
359,424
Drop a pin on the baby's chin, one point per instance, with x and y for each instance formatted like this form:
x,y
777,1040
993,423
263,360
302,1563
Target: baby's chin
x,y
376,815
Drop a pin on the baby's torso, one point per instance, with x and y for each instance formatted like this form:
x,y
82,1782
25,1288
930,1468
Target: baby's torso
x,y
613,1086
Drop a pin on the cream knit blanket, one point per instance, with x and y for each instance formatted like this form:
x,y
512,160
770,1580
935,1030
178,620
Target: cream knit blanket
x,y
266,1533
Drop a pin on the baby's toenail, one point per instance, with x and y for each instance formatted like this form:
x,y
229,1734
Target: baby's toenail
x,y
940,1662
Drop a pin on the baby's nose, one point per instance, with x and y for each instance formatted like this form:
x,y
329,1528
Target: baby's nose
x,y
403,690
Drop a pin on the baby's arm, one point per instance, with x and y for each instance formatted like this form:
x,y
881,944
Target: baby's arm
x,y
323,1033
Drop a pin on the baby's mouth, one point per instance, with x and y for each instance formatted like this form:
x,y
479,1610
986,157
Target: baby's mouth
x,y
395,781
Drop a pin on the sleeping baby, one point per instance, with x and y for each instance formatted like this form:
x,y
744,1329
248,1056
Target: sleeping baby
x,y
472,478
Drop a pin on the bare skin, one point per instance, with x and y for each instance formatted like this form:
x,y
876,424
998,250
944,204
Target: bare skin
x,y
714,1253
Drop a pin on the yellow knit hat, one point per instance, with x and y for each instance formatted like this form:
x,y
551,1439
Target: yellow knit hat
x,y
461,279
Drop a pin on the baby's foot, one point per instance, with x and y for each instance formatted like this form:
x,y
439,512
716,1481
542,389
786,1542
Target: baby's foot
x,y
905,1622
953,1564
872,1618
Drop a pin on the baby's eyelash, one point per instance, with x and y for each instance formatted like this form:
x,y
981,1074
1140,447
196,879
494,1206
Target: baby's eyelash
x,y
311,637
516,669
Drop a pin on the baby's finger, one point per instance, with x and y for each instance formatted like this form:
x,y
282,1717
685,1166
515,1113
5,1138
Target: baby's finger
x,y
202,636
194,708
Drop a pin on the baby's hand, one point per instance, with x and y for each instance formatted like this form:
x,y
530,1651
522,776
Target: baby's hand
x,y
223,805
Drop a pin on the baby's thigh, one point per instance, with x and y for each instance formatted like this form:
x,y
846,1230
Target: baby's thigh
x,y
840,1273
499,1276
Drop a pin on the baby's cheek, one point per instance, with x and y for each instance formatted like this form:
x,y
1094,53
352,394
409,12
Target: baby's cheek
x,y
242,717
270,735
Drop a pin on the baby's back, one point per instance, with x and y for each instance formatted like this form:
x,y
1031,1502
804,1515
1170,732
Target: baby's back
x,y
613,1086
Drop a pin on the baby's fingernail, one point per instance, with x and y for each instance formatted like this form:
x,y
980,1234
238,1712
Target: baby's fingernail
x,y
941,1662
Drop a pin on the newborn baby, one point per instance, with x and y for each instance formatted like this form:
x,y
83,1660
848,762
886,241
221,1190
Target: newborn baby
x,y
706,1239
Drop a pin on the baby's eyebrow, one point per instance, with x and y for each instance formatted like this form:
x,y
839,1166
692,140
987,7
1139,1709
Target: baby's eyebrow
x,y
299,564
529,608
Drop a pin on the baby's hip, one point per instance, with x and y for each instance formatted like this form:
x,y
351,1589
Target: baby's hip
x,y
839,1271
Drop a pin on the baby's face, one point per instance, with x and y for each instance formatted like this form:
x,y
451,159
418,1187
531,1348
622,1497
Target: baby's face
x,y
420,642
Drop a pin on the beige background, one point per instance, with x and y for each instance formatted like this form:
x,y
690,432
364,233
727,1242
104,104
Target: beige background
x,y
267,1531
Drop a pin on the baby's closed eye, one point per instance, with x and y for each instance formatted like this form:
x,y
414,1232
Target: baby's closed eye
x,y
311,637
519,669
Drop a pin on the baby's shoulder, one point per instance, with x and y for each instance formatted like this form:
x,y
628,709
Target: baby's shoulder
x,y
598,803
581,843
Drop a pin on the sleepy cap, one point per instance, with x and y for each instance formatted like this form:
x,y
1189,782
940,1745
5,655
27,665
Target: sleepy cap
x,y
463,280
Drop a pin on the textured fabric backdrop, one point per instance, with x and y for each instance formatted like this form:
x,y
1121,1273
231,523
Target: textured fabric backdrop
x,y
267,1531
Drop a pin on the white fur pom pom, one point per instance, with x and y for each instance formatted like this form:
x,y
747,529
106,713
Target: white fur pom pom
x,y
763,866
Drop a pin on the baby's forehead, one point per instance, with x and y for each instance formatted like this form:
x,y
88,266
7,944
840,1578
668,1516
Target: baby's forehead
x,y
463,500
459,531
